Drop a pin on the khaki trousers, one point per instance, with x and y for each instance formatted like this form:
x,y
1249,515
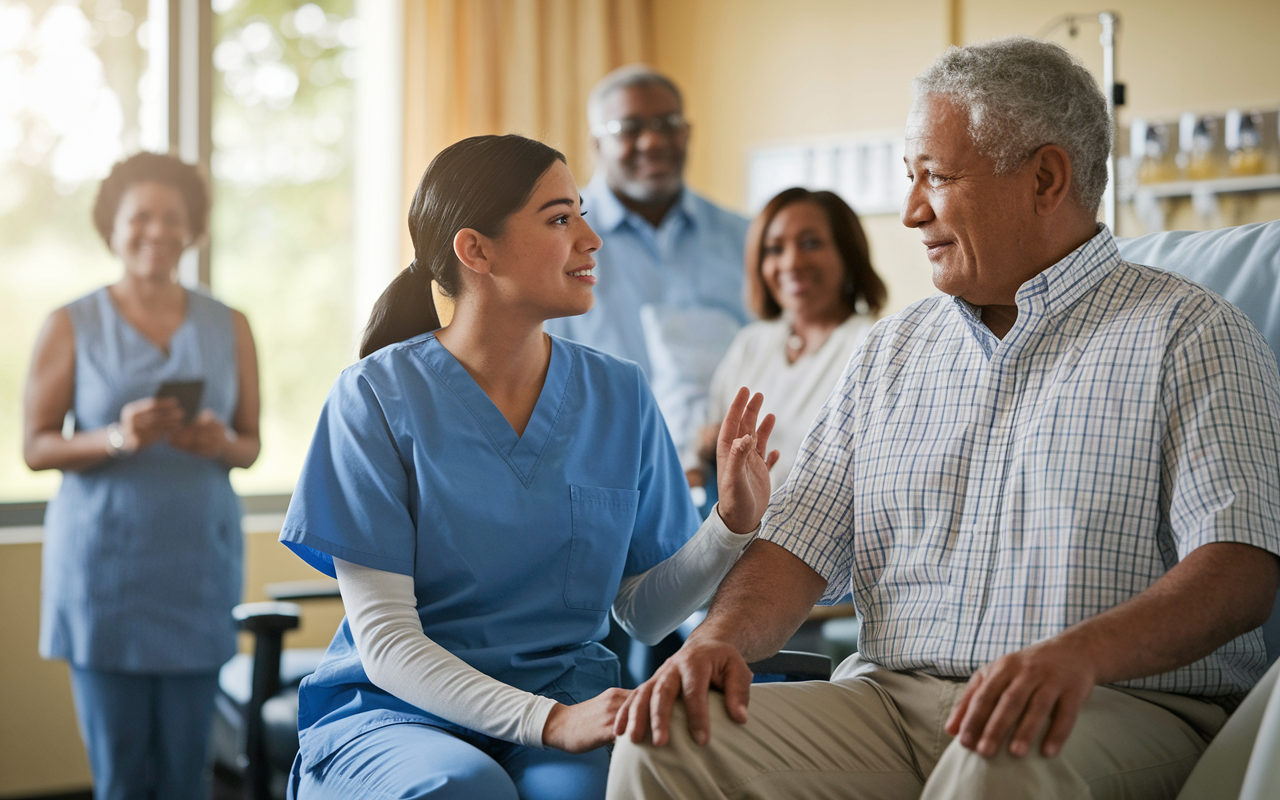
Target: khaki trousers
x,y
877,734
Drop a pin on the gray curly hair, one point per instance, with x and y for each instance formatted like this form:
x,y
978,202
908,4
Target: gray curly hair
x,y
623,78
1021,94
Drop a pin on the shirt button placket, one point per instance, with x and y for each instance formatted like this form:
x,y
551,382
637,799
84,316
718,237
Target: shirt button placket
x,y
993,400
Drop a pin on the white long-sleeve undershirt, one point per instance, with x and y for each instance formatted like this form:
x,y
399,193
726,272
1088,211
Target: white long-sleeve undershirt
x,y
654,603
400,658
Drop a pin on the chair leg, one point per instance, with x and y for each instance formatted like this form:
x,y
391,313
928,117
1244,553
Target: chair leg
x,y
266,682
267,622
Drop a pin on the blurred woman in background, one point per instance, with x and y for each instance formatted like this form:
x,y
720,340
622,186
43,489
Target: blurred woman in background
x,y
810,281
142,547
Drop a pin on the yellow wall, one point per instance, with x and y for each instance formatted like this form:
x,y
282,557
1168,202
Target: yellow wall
x,y
758,71
40,750
755,71
1175,55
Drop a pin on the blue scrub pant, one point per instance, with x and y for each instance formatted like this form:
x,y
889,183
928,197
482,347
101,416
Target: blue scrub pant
x,y
406,761
147,735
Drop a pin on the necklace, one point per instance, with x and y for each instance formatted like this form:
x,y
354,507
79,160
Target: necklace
x,y
794,346
795,341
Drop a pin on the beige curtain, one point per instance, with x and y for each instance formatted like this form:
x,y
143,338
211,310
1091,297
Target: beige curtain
x,y
511,66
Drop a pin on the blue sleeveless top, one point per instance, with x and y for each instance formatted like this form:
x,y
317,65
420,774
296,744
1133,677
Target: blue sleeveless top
x,y
142,555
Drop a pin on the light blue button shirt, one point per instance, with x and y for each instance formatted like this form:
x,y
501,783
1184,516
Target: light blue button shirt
x,y
977,502
668,298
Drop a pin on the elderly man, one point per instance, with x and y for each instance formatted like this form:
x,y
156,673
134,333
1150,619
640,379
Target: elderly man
x,y
1051,490
669,291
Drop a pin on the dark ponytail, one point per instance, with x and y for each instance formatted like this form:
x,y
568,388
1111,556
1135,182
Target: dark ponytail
x,y
476,183
404,310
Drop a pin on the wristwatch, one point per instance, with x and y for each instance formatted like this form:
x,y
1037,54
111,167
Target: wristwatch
x,y
115,442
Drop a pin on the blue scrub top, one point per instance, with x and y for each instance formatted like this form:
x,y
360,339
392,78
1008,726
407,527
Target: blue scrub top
x,y
516,544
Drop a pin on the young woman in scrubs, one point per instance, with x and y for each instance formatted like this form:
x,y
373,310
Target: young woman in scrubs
x,y
485,494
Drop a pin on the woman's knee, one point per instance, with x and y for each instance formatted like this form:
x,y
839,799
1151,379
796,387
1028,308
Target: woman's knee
x,y
407,762
476,778
555,775
458,782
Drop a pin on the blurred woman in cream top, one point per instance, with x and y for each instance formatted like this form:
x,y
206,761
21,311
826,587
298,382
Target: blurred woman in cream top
x,y
810,281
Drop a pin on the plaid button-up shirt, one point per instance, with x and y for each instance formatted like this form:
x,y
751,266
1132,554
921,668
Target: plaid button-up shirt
x,y
977,495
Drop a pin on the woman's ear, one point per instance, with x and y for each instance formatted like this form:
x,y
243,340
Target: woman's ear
x,y
472,249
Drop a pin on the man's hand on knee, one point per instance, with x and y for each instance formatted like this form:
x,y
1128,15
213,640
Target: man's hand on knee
x,y
1019,693
690,672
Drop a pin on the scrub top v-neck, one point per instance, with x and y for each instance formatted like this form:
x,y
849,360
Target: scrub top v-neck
x,y
516,544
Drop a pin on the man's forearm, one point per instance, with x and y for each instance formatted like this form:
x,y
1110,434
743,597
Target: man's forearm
x,y
1215,594
762,601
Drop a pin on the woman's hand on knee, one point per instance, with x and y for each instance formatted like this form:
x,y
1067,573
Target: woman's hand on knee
x,y
585,726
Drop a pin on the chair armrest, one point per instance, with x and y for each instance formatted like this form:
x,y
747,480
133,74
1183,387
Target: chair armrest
x,y
266,617
267,622
319,588
795,664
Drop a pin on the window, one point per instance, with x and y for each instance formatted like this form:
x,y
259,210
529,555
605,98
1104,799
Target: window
x,y
88,82
282,230
79,92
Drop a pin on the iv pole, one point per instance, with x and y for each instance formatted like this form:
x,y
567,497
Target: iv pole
x,y
1114,92
1109,22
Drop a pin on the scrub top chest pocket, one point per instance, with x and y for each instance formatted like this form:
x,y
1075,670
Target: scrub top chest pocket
x,y
602,523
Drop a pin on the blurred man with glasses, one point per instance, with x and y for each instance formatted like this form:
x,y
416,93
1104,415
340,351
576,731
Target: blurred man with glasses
x,y
669,295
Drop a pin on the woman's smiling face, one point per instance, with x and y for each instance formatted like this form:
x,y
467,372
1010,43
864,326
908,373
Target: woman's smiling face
x,y
543,256
801,265
151,230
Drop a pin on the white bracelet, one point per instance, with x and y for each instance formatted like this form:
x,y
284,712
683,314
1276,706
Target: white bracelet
x,y
115,442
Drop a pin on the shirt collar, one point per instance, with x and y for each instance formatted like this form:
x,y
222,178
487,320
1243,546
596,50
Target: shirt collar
x,y
1058,287
607,213
972,316
1054,289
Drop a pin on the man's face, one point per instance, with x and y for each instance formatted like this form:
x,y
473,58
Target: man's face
x,y
647,166
975,224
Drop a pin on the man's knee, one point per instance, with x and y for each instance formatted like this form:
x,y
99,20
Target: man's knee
x,y
963,774
635,771
677,769
629,756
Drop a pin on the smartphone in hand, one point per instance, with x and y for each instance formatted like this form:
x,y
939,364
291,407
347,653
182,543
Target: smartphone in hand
x,y
187,393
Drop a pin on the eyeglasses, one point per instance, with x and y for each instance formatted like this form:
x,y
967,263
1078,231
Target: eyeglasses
x,y
630,127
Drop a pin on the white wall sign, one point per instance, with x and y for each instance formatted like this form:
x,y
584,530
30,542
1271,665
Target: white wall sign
x,y
866,170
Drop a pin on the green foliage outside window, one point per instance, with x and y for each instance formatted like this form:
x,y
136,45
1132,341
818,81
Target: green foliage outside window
x,y
72,92
283,118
